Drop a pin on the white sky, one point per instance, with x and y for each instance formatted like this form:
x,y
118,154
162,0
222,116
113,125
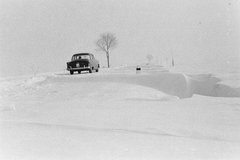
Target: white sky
x,y
44,34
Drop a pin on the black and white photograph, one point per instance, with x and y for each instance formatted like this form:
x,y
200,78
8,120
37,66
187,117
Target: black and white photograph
x,y
119,79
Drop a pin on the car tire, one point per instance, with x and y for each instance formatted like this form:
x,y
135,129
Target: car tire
x,y
90,70
79,72
71,72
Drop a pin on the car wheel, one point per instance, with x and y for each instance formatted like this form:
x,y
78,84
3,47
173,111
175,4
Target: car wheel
x,y
79,72
71,72
90,70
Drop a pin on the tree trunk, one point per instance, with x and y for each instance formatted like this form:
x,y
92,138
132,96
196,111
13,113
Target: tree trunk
x,y
108,59
108,62
172,58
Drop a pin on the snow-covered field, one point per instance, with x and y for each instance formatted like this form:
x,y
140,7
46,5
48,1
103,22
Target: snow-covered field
x,y
157,113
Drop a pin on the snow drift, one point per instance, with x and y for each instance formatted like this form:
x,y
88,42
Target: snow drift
x,y
175,84
119,114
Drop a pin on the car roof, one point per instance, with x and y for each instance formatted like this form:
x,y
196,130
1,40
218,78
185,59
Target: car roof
x,y
77,54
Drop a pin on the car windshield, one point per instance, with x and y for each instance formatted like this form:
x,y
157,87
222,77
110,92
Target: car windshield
x,y
84,56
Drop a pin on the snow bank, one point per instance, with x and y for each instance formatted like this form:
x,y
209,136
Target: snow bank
x,y
15,88
155,77
175,84
20,82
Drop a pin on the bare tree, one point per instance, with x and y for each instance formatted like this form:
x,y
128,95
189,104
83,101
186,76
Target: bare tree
x,y
172,57
34,70
149,57
106,42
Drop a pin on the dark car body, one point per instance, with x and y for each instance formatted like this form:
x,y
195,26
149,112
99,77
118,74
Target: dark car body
x,y
83,62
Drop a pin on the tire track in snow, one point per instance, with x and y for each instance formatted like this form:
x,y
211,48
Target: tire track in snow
x,y
145,131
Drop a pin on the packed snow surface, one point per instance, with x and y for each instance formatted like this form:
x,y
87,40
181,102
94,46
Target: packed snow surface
x,y
121,114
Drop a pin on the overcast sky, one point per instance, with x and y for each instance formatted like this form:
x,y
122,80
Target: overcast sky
x,y
44,34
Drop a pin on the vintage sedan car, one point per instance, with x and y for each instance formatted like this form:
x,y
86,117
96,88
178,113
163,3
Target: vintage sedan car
x,y
83,62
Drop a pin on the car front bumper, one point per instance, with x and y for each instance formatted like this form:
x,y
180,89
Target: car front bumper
x,y
78,68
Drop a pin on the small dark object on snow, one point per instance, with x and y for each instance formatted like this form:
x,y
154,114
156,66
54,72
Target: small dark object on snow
x,y
138,69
